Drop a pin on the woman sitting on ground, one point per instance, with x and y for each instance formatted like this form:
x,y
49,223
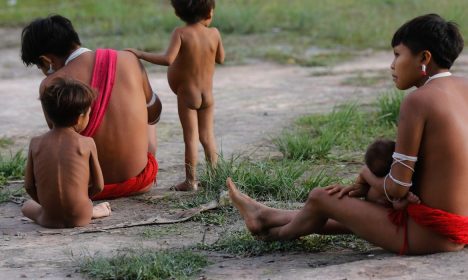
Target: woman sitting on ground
x,y
431,139
123,116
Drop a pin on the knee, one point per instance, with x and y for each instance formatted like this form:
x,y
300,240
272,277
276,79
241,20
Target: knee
x,y
317,196
205,139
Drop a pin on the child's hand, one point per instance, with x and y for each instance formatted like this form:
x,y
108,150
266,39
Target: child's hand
x,y
409,198
355,190
136,52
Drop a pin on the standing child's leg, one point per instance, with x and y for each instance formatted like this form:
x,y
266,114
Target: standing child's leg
x,y
188,120
206,131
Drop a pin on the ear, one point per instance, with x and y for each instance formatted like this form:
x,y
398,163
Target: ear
x,y
45,61
426,57
210,16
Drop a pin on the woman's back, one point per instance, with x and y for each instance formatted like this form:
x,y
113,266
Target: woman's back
x,y
442,178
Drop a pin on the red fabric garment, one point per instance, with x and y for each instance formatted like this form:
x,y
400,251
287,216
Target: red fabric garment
x,y
452,226
103,81
132,185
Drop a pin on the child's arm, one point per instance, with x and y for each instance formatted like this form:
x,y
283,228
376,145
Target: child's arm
x,y
162,59
29,182
153,103
220,50
97,180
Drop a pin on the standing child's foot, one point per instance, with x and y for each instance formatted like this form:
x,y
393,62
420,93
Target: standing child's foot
x,y
185,186
101,210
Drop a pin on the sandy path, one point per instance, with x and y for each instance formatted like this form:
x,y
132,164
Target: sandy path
x,y
253,103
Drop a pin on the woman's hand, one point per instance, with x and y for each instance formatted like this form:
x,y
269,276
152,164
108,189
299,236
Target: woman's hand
x,y
403,203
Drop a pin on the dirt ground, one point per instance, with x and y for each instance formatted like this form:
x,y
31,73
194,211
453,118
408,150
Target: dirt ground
x,y
253,104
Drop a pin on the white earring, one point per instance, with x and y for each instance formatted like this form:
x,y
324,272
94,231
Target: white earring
x,y
51,70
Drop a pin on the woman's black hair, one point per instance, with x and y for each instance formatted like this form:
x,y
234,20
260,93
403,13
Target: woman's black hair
x,y
433,33
51,35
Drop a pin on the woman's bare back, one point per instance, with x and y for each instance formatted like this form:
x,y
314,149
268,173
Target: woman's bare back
x,y
443,151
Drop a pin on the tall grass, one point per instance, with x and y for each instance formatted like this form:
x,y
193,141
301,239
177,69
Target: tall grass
x,y
389,107
340,134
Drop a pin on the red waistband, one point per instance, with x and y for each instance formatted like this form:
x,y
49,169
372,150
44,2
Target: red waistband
x,y
132,185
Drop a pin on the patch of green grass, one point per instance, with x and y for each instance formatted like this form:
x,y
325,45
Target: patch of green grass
x,y
294,27
389,107
334,136
156,232
5,142
218,217
7,193
265,180
144,264
12,167
242,243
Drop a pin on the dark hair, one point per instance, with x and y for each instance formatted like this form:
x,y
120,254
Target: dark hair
x,y
65,99
379,156
54,34
193,11
433,33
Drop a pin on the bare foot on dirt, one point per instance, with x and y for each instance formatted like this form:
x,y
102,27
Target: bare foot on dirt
x,y
185,186
101,210
248,208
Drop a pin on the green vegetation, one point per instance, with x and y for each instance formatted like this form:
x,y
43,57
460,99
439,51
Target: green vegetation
x,y
5,142
296,31
320,150
241,243
339,135
12,167
144,264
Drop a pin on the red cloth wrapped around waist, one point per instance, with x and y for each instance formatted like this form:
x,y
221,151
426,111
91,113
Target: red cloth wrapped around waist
x,y
452,226
132,185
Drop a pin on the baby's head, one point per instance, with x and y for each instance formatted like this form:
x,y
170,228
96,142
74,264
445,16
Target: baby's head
x,y
67,103
379,156
193,11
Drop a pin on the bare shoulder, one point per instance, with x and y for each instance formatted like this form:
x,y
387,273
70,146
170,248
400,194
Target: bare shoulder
x,y
215,31
127,57
35,141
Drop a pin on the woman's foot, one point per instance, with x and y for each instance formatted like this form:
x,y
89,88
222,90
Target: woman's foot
x,y
101,210
185,186
249,209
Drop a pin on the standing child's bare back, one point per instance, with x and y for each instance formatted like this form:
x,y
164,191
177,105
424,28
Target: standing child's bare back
x,y
190,76
191,56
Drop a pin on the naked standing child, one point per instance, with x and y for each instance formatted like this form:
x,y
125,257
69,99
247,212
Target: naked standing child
x,y
191,56
63,170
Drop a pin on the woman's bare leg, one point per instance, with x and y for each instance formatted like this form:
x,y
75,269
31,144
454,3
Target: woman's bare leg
x,y
271,217
365,219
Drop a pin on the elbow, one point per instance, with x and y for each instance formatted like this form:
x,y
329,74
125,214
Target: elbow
x,y
220,60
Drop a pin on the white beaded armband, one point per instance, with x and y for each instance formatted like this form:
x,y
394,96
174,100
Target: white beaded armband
x,y
152,101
